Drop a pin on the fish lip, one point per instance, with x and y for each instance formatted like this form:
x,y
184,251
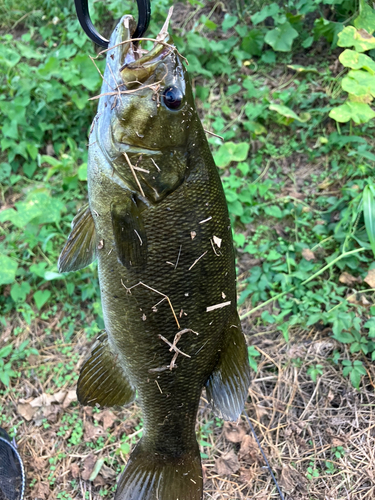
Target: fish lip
x,y
138,65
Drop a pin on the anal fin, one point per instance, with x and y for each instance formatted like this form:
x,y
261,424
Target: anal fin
x,y
102,380
129,234
79,251
228,384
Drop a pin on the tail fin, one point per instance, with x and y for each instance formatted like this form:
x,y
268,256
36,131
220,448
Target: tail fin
x,y
151,476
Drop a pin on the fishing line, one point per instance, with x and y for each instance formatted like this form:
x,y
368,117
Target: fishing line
x,y
263,454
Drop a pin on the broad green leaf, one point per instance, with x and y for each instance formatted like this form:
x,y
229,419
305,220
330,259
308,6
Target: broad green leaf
x,y
8,268
267,11
289,113
359,83
355,60
356,111
18,292
253,42
274,211
41,297
229,22
366,18
344,337
369,214
8,56
281,38
231,151
360,39
327,29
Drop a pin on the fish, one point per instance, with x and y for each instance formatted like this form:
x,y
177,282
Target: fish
x,y
158,224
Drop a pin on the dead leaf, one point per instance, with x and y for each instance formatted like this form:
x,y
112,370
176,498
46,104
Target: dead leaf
x,y
41,490
74,469
107,472
48,399
249,450
99,481
70,397
348,279
370,278
308,254
107,417
92,432
291,480
286,480
358,299
227,463
233,432
26,411
246,475
337,441
88,467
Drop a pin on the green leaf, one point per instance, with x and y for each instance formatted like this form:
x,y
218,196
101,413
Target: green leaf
x,y
344,337
231,151
366,18
82,172
355,378
369,214
29,169
352,59
357,111
5,351
327,29
41,297
18,292
253,42
8,268
281,38
359,83
289,113
360,39
267,11
274,211
229,22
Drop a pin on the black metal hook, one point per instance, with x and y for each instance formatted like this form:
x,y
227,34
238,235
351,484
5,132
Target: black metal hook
x,y
82,8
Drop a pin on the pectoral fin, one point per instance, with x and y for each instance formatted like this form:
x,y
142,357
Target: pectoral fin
x,y
102,380
129,233
228,384
79,251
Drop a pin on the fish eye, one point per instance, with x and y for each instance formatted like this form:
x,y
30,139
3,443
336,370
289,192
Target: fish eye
x,y
173,97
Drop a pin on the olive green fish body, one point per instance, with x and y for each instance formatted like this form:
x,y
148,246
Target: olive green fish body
x,y
166,271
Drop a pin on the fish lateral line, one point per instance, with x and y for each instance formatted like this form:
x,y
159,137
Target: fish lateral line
x,y
156,291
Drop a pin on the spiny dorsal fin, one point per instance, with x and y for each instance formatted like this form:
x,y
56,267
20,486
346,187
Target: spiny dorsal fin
x,y
102,380
129,234
80,250
228,384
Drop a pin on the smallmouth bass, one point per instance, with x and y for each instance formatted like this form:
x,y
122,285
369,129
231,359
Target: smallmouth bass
x,y
157,221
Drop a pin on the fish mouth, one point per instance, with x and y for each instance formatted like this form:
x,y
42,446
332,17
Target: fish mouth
x,y
139,65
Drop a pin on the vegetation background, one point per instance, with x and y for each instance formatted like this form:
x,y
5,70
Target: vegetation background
x,y
289,86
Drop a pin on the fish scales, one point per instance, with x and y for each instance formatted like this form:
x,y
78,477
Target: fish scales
x,y
160,270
